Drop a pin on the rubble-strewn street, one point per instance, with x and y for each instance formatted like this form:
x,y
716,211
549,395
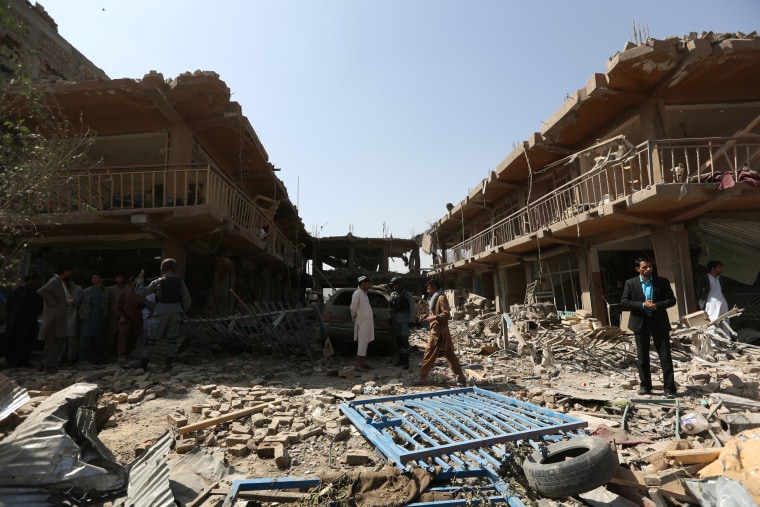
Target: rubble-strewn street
x,y
246,416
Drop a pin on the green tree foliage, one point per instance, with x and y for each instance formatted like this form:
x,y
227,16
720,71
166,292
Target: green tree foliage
x,y
39,146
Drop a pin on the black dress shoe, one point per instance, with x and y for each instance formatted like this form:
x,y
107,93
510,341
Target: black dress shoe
x,y
670,393
644,390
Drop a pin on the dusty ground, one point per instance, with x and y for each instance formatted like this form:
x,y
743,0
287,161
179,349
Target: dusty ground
x,y
308,392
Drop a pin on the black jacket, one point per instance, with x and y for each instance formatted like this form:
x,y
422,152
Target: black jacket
x,y
633,299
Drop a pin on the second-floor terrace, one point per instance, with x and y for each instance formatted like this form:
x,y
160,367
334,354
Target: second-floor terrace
x,y
188,203
654,183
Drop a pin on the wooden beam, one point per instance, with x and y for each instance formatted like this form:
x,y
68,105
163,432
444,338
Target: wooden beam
x,y
224,418
693,456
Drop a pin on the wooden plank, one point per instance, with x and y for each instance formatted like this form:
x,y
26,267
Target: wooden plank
x,y
224,418
673,489
693,456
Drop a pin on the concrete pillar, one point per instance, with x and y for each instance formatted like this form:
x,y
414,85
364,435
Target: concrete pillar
x,y
384,258
595,290
671,250
176,250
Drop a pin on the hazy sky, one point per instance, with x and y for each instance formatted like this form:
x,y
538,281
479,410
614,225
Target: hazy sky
x,y
379,113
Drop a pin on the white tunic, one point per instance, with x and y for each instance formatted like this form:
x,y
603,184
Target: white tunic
x,y
716,304
364,325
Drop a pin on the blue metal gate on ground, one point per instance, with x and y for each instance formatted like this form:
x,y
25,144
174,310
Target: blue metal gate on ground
x,y
464,424
455,433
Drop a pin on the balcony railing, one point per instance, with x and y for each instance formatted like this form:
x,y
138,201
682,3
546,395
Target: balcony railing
x,y
151,187
614,177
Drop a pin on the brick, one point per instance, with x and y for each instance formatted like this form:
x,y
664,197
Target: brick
x,y
260,420
237,439
198,409
280,438
136,396
281,458
157,391
185,446
265,450
357,457
238,450
292,436
240,428
312,431
341,433
177,420
207,388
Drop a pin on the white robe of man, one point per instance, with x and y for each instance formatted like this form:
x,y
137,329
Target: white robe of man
x,y
716,304
364,325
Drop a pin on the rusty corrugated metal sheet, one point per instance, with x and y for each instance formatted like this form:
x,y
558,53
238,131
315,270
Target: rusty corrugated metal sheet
x,y
12,397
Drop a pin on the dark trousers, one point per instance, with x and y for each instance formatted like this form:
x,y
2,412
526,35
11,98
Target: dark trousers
x,y
661,339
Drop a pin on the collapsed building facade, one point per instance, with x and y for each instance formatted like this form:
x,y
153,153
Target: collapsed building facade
x,y
176,170
654,157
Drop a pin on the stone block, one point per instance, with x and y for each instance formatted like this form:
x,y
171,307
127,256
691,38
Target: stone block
x,y
208,388
357,457
177,420
238,450
136,396
311,431
157,391
237,439
185,446
281,458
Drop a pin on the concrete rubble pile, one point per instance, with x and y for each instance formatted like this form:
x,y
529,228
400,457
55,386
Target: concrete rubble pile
x,y
275,416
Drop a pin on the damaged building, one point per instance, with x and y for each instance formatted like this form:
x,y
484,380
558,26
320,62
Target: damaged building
x,y
176,170
657,156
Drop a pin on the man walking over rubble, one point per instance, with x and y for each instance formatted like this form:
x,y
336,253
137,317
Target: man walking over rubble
x,y
403,313
648,298
440,342
364,322
172,300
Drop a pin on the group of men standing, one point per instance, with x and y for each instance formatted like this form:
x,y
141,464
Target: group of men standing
x,y
94,323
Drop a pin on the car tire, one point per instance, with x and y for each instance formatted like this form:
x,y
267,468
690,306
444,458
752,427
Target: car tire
x,y
571,467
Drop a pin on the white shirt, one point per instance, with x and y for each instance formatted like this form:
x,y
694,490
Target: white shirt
x,y
716,304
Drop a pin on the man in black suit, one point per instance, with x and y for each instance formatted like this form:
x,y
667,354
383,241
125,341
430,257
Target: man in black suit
x,y
648,298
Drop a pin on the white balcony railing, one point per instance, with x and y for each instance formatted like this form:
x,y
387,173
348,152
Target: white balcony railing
x,y
615,177
150,187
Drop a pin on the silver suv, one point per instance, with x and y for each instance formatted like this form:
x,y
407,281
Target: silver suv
x,y
336,315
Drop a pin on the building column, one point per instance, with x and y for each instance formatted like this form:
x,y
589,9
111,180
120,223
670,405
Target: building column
x,y
384,263
176,250
593,293
671,250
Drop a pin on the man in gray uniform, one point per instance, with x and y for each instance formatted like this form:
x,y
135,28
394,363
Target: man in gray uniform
x,y
172,300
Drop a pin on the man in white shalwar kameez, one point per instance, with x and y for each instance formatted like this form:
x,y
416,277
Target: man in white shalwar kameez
x,y
364,325
710,295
